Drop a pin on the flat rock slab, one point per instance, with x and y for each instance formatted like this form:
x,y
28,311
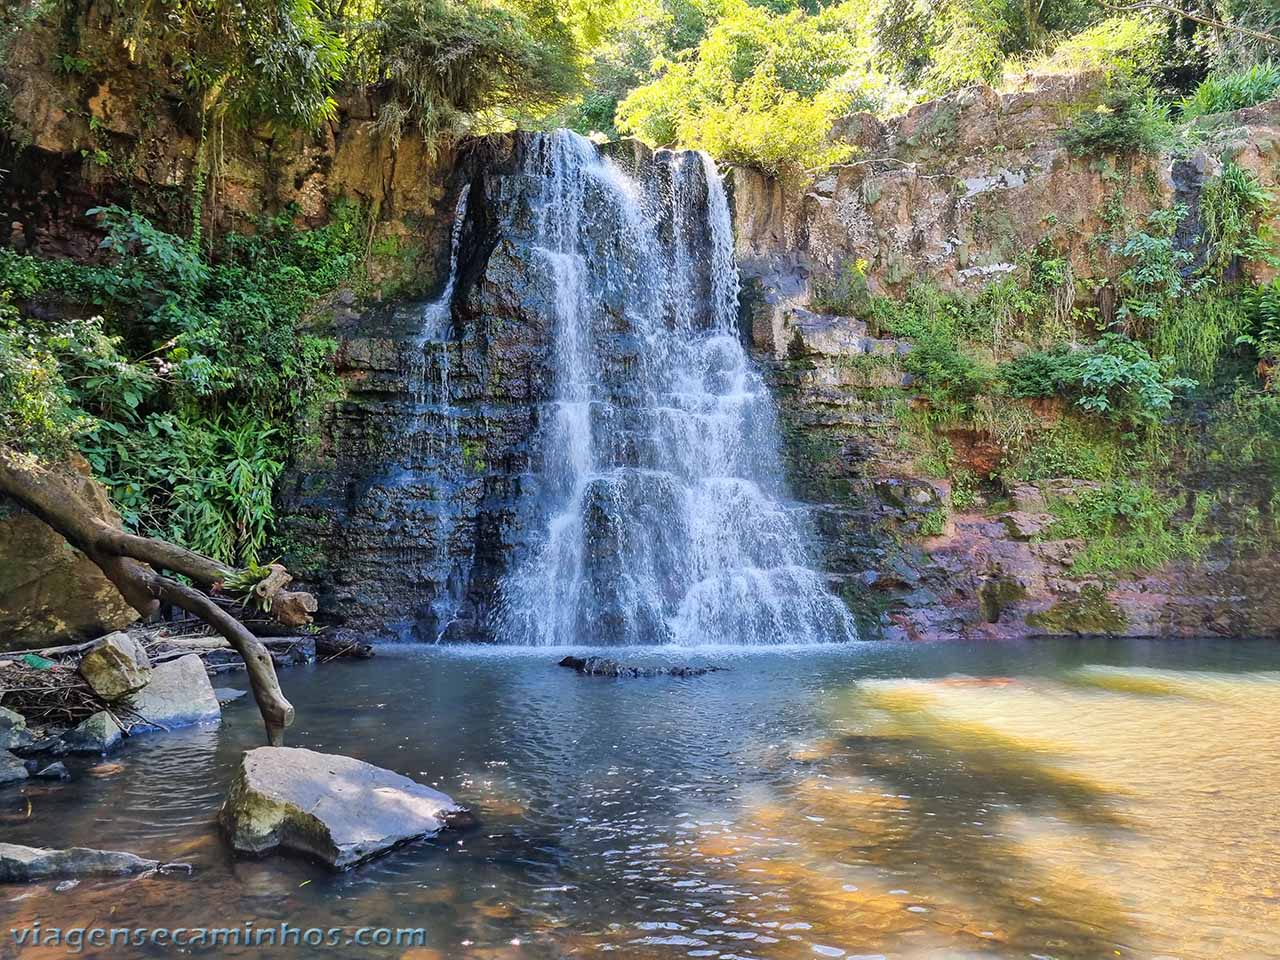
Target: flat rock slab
x,y
336,809
178,695
19,864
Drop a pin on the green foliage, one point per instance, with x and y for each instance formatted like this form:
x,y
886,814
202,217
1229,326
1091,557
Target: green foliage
x,y
1263,310
1234,207
1222,92
1121,47
1196,332
1127,121
760,88
1127,525
1116,377
846,293
274,61
1073,447
438,64
190,389
936,324
1154,275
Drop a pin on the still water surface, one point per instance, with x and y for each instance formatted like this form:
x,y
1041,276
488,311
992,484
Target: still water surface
x,y
1054,799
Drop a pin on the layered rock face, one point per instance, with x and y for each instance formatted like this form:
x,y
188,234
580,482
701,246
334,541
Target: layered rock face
x,y
952,194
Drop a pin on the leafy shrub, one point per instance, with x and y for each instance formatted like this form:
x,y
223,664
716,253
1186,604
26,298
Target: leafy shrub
x,y
846,293
1153,278
191,436
1221,93
276,61
437,64
1128,526
760,88
1074,447
1196,332
1127,121
1042,373
1263,309
1116,378
1234,207
1122,47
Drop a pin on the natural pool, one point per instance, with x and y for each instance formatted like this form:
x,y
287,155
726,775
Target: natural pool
x,y
1049,799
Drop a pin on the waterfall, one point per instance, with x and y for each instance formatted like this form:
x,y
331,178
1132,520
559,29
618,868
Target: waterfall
x,y
430,396
665,518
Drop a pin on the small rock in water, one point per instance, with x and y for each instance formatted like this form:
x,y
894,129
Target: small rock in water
x,y
604,667
227,695
336,809
66,885
98,734
14,734
19,864
54,771
11,768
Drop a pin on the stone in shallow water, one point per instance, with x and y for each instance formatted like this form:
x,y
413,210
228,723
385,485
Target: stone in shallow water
x,y
178,695
98,734
336,809
19,864
11,768
13,731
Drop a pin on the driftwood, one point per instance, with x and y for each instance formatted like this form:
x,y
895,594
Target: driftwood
x,y
58,695
131,563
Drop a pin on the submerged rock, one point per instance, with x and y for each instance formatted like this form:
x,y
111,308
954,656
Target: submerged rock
x,y
98,734
54,771
227,695
604,667
336,809
112,669
178,695
19,864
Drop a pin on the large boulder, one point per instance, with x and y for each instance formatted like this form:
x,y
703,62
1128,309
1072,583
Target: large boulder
x,y
111,669
50,592
19,864
178,695
336,809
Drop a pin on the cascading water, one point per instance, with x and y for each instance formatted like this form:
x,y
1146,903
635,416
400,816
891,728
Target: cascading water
x,y
428,381
666,518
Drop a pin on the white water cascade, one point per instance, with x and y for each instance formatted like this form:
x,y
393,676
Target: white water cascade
x,y
666,517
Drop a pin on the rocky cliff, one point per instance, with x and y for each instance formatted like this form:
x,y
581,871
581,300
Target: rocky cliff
x,y
407,512
954,195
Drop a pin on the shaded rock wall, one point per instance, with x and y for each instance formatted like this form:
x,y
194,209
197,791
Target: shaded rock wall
x,y
49,591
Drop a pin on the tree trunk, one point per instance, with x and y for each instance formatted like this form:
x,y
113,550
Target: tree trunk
x,y
128,560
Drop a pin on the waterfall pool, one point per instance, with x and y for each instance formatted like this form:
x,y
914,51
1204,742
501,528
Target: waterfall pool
x,y
1048,799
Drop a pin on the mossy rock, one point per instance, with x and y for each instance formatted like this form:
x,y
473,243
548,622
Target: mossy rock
x,y
1089,614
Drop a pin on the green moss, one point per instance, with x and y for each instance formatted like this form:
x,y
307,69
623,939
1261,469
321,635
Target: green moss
x,y
997,593
1089,613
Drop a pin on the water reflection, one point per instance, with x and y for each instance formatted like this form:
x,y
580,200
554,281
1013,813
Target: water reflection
x,y
1052,800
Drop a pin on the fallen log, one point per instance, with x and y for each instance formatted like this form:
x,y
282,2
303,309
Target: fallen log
x,y
132,562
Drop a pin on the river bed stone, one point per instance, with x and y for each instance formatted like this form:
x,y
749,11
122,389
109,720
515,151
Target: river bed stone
x,y
338,810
